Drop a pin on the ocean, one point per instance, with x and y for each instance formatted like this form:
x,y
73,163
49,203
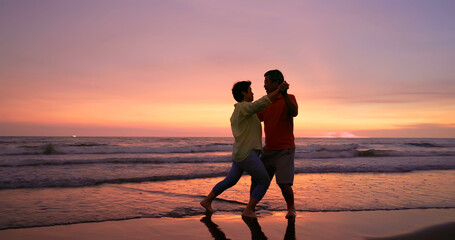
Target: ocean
x,y
47,181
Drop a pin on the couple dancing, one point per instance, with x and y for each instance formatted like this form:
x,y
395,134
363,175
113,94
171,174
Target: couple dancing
x,y
276,110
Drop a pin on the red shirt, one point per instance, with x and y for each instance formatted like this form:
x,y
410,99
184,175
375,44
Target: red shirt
x,y
278,125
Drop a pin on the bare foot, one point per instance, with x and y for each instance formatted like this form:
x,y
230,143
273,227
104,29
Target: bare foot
x,y
291,214
207,205
248,214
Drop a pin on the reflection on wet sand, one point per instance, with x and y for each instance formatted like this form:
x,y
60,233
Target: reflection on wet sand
x,y
253,225
290,230
440,232
216,232
255,228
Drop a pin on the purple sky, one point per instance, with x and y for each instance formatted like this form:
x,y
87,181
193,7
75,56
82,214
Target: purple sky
x,y
165,68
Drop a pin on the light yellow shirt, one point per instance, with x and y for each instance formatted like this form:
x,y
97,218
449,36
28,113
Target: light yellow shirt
x,y
246,127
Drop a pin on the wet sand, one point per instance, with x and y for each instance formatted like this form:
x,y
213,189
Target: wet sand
x,y
394,224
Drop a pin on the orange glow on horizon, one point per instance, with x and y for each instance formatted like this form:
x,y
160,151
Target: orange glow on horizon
x,y
167,69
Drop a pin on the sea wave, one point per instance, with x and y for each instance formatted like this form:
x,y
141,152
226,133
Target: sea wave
x,y
354,150
47,149
51,176
302,151
85,182
221,157
373,169
352,153
425,145
110,161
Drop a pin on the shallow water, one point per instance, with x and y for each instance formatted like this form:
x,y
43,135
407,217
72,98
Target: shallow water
x,y
180,198
60,180
47,162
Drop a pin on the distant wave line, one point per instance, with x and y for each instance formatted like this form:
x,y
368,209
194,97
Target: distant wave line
x,y
52,183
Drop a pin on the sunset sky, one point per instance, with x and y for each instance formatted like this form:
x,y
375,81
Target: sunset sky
x,y
166,68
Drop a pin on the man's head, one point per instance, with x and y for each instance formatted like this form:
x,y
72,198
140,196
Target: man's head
x,y
242,91
272,79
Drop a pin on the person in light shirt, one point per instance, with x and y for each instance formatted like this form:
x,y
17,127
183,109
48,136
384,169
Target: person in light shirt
x,y
247,131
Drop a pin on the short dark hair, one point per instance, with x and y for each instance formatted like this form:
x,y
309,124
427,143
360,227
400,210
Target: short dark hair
x,y
275,76
238,88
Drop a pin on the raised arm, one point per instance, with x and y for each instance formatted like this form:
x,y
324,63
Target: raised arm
x,y
262,103
293,110
282,88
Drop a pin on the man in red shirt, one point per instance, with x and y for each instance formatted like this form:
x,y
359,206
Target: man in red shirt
x,y
279,149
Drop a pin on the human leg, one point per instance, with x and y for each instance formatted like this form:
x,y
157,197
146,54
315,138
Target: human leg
x,y
259,176
207,202
288,194
249,210
231,179
254,166
285,178
265,157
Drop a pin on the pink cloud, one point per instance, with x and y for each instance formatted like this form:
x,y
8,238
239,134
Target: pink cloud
x,y
345,134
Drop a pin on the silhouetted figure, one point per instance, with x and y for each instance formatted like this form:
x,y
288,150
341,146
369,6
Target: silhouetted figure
x,y
290,230
247,131
279,149
255,228
253,225
216,232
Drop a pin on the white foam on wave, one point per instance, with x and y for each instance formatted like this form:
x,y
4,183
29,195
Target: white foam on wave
x,y
109,149
375,165
327,148
352,150
330,149
115,160
95,174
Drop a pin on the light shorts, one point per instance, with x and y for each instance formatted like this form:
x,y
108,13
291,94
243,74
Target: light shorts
x,y
281,164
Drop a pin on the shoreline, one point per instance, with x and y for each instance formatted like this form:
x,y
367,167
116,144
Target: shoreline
x,y
380,224
265,214
315,194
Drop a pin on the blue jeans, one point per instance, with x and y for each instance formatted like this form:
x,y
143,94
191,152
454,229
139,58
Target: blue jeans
x,y
253,166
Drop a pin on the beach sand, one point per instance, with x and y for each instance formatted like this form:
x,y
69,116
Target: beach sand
x,y
391,224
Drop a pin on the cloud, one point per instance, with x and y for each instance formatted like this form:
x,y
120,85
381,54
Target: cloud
x,y
339,135
387,96
424,130
426,126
